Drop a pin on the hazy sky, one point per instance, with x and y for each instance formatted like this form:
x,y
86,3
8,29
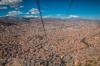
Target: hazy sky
x,y
89,9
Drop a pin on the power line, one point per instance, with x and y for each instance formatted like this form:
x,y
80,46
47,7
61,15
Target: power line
x,y
41,19
69,8
68,11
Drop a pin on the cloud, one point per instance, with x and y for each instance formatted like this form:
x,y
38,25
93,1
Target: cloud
x,y
30,16
12,3
34,11
19,7
54,16
14,13
3,7
50,16
47,16
59,14
73,16
27,13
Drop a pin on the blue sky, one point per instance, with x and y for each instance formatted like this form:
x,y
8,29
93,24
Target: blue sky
x,y
89,9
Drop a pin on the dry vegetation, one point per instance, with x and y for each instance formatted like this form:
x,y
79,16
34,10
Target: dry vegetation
x,y
70,43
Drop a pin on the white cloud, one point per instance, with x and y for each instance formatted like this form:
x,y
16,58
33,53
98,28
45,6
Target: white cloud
x,y
21,6
3,7
14,13
30,16
27,13
12,3
59,14
50,16
73,16
47,16
54,16
34,11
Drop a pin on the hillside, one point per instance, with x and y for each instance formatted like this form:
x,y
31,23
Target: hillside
x,y
69,42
